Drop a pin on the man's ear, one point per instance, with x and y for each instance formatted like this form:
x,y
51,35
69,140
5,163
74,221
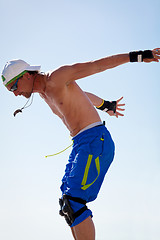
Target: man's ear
x,y
27,75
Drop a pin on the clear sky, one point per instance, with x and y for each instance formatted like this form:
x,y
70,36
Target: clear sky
x,y
58,32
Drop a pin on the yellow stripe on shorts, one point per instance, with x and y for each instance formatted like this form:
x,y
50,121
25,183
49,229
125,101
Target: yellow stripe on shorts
x,y
87,170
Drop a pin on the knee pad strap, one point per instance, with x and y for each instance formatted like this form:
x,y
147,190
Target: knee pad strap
x,y
66,210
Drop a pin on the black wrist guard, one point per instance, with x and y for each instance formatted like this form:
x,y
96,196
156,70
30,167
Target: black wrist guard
x,y
139,56
108,106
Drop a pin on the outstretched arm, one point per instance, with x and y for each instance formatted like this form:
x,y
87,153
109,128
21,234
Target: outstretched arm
x,y
112,108
67,74
81,70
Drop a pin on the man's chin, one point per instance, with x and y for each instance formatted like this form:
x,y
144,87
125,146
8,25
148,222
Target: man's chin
x,y
27,95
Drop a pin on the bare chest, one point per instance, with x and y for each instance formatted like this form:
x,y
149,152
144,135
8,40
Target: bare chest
x,y
52,104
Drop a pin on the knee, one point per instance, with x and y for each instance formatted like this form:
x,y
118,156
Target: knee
x,y
73,209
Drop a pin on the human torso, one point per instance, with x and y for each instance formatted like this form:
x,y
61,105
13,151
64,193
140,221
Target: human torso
x,y
71,104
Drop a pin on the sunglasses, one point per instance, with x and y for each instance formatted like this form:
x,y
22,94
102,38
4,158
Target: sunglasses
x,y
14,87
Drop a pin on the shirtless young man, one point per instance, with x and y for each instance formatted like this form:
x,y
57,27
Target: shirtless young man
x,y
93,147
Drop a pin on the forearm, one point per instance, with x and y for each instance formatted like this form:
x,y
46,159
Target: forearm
x,y
111,62
102,104
96,101
82,70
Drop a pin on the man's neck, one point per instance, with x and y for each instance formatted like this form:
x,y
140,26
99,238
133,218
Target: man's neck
x,y
39,83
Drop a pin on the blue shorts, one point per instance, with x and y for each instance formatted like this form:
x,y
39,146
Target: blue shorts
x,y
91,156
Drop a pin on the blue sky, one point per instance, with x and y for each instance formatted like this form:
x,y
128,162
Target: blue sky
x,y
59,32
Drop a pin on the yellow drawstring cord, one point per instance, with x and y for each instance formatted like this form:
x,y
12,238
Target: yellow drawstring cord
x,y
52,155
59,152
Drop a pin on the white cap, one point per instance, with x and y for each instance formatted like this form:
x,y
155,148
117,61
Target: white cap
x,y
15,69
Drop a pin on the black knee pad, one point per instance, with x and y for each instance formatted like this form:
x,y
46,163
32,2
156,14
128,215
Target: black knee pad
x,y
66,210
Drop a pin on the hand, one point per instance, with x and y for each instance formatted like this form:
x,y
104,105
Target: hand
x,y
118,109
156,56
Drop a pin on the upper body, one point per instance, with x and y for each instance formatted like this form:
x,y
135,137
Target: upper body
x,y
63,95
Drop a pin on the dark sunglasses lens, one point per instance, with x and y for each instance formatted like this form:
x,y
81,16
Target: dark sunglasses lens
x,y
13,88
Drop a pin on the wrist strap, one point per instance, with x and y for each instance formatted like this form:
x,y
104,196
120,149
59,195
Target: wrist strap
x,y
108,106
139,56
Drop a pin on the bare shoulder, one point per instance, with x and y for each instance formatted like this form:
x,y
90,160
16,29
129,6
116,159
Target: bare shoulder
x,y
60,77
68,73
64,75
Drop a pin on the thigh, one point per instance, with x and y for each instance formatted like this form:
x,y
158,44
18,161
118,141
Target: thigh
x,y
88,168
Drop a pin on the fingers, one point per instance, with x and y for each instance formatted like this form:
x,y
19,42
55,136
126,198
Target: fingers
x,y
120,109
156,54
156,50
155,59
117,114
120,105
119,99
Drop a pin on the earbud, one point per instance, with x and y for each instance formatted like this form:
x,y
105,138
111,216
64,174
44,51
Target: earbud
x,y
25,106
17,111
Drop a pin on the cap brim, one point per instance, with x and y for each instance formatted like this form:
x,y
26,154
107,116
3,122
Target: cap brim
x,y
33,68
